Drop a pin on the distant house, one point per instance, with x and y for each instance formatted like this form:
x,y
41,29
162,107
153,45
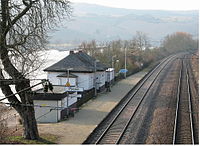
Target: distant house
x,y
78,74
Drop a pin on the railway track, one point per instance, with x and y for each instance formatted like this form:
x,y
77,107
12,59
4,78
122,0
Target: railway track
x,y
194,90
183,123
112,129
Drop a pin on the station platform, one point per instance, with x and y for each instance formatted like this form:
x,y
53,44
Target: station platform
x,y
76,129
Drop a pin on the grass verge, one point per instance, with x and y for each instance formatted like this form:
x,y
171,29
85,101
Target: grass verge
x,y
44,139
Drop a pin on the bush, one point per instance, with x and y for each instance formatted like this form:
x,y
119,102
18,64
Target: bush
x,y
3,129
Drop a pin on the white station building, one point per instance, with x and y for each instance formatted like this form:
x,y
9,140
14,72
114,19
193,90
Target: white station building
x,y
74,78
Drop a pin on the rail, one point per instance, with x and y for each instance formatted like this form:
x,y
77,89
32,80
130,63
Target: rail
x,y
183,137
166,61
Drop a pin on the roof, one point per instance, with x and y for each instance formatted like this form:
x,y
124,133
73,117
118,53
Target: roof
x,y
48,96
56,89
110,70
123,70
57,94
79,62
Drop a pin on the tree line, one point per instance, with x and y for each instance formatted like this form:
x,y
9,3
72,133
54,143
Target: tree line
x,y
139,51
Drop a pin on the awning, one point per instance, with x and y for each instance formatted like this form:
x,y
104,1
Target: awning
x,y
123,70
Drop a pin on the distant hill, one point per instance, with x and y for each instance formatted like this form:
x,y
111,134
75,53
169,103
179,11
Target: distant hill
x,y
105,23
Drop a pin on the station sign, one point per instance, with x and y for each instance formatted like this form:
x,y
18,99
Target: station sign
x,y
74,89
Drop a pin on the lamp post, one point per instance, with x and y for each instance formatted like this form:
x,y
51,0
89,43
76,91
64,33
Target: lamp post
x,y
117,67
113,66
95,80
68,85
125,64
113,61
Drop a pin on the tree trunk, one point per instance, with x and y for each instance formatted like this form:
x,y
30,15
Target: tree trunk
x,y
28,119
30,128
29,124
26,112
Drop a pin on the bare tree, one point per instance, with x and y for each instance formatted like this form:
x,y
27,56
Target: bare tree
x,y
89,47
3,123
141,41
23,33
179,41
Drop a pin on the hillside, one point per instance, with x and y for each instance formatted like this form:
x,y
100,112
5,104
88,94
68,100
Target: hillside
x,y
105,23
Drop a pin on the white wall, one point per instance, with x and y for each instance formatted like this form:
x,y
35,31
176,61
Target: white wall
x,y
71,100
110,74
52,76
101,78
63,81
85,80
44,112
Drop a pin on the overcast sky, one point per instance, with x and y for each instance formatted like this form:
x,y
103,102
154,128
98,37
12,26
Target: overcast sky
x,y
147,4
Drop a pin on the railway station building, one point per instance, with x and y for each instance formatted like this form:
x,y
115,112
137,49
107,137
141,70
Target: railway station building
x,y
75,79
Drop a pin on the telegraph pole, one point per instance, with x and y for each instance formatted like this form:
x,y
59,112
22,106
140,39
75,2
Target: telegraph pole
x,y
113,61
125,64
68,85
95,80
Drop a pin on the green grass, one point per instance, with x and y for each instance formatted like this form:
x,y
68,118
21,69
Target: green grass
x,y
45,139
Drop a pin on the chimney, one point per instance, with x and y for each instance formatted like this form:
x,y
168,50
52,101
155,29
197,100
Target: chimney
x,y
71,52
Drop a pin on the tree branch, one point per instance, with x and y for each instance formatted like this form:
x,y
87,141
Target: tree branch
x,y
7,92
20,15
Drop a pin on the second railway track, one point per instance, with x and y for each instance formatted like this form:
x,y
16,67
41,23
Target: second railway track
x,y
183,124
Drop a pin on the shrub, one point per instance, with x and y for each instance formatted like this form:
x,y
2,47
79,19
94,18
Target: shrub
x,y
3,128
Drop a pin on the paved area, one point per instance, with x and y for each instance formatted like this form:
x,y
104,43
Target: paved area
x,y
75,130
